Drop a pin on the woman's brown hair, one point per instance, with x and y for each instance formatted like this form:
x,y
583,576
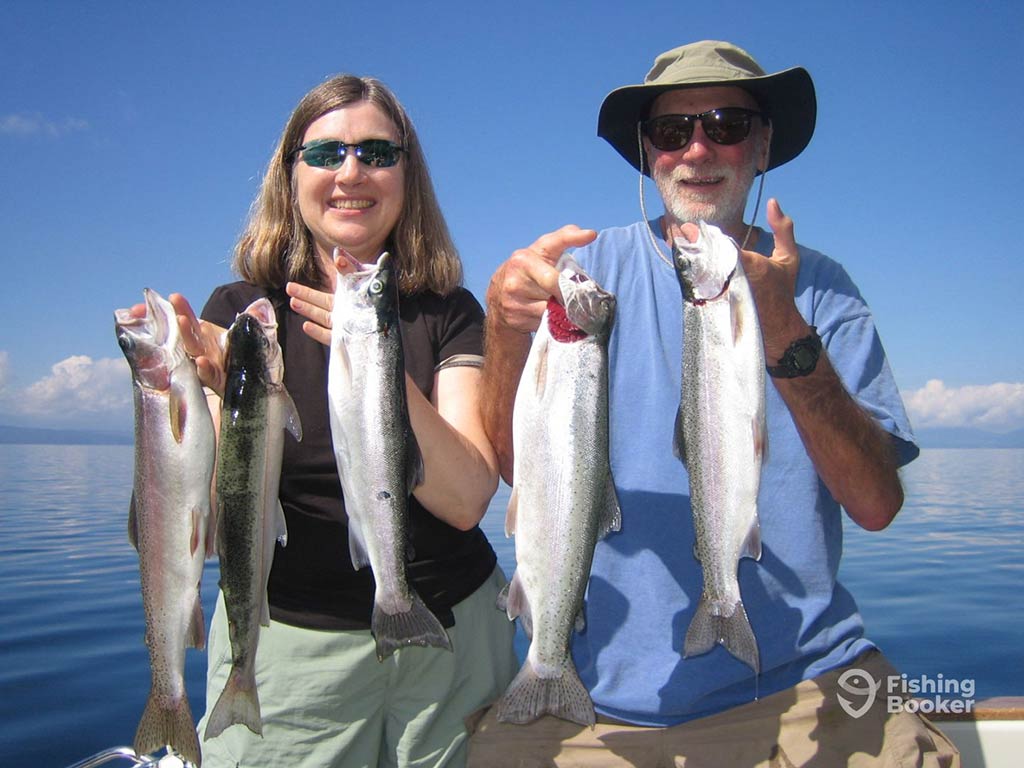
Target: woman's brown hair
x,y
276,246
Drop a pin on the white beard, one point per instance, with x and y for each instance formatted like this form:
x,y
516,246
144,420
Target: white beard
x,y
722,205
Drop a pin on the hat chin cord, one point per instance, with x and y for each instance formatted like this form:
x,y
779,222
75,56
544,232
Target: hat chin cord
x,y
643,206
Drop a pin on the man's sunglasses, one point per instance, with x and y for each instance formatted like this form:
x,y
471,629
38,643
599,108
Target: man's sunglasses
x,y
329,153
727,125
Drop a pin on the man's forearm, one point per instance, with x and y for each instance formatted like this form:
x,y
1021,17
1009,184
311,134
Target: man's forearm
x,y
852,454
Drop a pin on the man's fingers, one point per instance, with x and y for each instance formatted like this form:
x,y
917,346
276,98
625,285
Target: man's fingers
x,y
782,226
553,244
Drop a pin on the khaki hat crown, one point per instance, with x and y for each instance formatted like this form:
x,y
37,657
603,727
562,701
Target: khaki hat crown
x,y
786,98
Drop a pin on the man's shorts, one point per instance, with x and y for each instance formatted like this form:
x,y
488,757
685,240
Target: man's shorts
x,y
803,726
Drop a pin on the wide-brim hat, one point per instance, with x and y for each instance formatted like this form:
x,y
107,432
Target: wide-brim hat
x,y
787,97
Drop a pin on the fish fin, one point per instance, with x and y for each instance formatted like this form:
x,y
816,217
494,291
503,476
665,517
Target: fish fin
x,y
760,431
357,545
178,412
710,625
510,513
679,438
530,696
517,605
501,602
752,544
417,626
239,702
211,529
515,601
196,625
133,523
174,727
292,422
280,525
611,514
197,535
413,463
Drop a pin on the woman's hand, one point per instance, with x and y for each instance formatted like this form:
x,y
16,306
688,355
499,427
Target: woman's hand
x,y
314,305
204,342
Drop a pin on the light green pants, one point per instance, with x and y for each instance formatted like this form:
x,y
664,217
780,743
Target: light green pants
x,y
326,700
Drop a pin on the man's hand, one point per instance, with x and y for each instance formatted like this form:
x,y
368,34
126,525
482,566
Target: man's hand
x,y
520,288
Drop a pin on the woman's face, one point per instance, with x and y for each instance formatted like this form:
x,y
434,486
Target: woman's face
x,y
356,205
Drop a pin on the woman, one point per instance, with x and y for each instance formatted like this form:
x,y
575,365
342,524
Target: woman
x,y
348,171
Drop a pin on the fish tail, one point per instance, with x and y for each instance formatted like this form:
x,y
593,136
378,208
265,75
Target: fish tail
x,y
238,703
173,727
711,625
529,696
417,626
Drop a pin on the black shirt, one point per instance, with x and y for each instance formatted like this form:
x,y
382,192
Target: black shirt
x,y
312,581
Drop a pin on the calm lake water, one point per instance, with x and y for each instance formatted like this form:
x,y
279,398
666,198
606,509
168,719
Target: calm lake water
x,y
941,590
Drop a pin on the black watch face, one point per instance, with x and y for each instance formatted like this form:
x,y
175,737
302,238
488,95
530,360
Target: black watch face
x,y
804,358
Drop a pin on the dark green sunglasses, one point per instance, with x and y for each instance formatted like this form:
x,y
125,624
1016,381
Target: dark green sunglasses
x,y
330,153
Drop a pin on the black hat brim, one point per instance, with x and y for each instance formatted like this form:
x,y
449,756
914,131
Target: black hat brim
x,y
786,97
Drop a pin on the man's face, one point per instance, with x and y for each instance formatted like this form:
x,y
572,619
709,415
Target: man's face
x,y
703,180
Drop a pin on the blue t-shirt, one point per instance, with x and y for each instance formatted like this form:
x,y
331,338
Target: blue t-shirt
x,y
645,581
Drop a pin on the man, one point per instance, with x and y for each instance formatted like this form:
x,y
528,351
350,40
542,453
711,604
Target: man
x,y
704,124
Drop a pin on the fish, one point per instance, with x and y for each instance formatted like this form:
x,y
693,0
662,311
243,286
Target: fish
x,y
720,433
563,495
256,411
169,515
377,454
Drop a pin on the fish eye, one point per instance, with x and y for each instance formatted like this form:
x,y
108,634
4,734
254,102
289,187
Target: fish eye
x,y
126,343
377,285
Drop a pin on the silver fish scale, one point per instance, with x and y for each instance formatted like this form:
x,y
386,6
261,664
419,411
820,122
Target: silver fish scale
x,y
169,515
563,500
720,435
375,448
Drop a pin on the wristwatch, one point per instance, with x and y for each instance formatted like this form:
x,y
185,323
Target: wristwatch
x,y
800,358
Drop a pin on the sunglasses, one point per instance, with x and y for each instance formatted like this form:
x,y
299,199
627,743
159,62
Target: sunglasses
x,y
330,153
727,125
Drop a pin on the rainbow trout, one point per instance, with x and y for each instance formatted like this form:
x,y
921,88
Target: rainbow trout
x,y
720,433
255,413
563,498
379,461
168,521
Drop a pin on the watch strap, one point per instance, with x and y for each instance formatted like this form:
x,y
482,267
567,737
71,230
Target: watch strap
x,y
799,359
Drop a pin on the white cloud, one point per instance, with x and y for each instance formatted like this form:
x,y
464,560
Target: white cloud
x,y
80,385
992,407
3,371
35,124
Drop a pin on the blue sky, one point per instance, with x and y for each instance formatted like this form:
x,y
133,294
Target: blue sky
x,y
133,136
